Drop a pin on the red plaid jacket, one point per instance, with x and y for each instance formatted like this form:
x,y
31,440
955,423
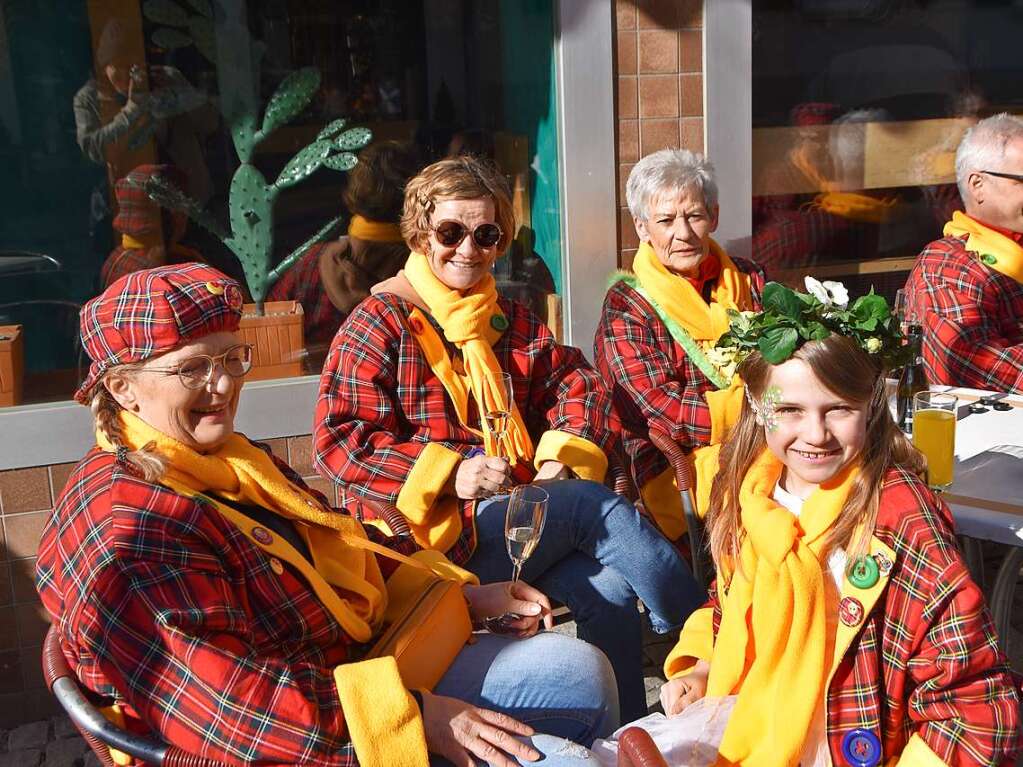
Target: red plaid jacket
x,y
166,607
972,318
925,660
652,380
380,404
302,283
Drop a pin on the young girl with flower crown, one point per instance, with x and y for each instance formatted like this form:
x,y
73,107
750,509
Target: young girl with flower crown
x,y
842,618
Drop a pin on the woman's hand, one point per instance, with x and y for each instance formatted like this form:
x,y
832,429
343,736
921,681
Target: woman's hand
x,y
552,470
678,694
481,476
515,598
459,732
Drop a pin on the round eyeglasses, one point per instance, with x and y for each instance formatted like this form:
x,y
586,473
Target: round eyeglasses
x,y
196,372
451,233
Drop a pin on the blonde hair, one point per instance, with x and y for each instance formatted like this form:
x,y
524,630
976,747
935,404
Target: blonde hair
x,y
848,371
456,178
106,414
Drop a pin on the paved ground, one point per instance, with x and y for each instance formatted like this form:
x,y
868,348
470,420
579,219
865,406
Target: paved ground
x,y
55,743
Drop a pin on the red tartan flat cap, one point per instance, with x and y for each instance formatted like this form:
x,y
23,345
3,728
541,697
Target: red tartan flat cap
x,y
146,313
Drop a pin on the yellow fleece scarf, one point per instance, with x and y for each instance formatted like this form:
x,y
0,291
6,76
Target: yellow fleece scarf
x,y
856,207
466,318
241,472
993,248
373,231
771,647
679,300
179,251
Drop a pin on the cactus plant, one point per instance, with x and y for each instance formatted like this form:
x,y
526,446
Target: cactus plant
x,y
252,198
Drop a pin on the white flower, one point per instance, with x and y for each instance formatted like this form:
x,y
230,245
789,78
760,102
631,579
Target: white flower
x,y
828,293
873,345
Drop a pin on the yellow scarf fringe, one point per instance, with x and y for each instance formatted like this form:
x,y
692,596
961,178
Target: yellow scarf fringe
x,y
373,231
465,318
677,297
772,646
241,472
993,248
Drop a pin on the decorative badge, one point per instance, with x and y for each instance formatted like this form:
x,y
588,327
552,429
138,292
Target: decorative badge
x,y
499,322
864,573
262,535
850,611
215,289
234,297
884,563
276,565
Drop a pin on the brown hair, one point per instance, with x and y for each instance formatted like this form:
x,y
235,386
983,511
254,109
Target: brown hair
x,y
106,414
457,178
376,185
848,371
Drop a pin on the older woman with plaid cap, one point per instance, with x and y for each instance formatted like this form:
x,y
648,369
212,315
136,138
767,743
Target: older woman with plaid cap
x,y
217,600
407,392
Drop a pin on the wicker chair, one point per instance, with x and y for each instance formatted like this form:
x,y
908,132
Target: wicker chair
x,y
703,570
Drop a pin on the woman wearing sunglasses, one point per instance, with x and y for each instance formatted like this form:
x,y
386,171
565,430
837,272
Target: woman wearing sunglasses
x,y
178,566
399,418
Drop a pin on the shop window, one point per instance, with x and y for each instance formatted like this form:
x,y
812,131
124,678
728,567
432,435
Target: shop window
x,y
105,104
858,106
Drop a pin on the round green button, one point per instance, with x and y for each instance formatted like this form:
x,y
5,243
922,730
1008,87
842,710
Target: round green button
x,y
499,322
989,259
864,573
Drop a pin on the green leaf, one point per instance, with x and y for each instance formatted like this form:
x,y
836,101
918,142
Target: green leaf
x,y
815,331
343,161
782,300
291,97
353,138
331,129
303,164
870,306
165,12
777,343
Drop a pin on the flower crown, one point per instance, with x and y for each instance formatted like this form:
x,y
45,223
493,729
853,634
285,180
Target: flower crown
x,y
789,319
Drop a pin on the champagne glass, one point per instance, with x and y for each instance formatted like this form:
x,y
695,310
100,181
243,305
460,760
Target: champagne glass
x,y
934,434
496,419
523,524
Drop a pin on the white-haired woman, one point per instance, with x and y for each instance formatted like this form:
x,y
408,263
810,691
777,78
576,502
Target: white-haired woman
x,y
660,322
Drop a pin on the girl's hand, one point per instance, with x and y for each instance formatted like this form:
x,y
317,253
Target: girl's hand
x,y
510,598
678,694
462,733
550,470
481,476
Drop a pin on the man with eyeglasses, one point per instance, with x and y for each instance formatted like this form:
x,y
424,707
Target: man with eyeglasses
x,y
966,289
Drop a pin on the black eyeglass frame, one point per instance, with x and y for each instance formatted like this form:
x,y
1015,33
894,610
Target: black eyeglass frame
x,y
466,231
1010,176
212,361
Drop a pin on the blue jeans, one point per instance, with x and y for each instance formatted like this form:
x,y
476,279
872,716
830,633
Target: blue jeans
x,y
561,687
597,554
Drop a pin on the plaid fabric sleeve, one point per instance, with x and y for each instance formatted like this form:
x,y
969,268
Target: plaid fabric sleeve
x,y
633,349
175,641
357,432
962,699
967,313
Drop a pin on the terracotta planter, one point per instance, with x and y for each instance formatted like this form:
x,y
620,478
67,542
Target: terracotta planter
x,y
277,338
12,365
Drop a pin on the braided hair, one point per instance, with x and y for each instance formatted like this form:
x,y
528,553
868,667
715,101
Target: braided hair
x,y
106,413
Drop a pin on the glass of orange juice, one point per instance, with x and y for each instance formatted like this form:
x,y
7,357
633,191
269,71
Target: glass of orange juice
x,y
934,434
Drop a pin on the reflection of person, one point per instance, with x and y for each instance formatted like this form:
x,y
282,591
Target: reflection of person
x,y
331,279
844,618
150,235
967,288
177,567
658,323
399,418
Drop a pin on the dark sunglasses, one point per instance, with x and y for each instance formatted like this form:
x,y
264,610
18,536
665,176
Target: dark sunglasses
x,y
451,233
1013,176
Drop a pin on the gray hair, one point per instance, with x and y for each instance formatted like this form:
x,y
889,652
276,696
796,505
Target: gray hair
x,y
669,170
983,146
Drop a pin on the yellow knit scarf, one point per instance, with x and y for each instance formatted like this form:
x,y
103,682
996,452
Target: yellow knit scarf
x,y
771,647
241,472
677,297
373,231
466,318
856,207
993,248
179,251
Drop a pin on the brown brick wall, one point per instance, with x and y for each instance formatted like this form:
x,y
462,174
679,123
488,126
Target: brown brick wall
x,y
26,499
659,89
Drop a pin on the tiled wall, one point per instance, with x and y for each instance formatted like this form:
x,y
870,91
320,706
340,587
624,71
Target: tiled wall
x,y
26,498
659,88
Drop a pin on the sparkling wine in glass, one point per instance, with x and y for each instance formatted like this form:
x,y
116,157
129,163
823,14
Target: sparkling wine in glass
x,y
523,524
496,419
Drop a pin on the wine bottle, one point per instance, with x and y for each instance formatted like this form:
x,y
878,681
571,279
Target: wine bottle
x,y
912,380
